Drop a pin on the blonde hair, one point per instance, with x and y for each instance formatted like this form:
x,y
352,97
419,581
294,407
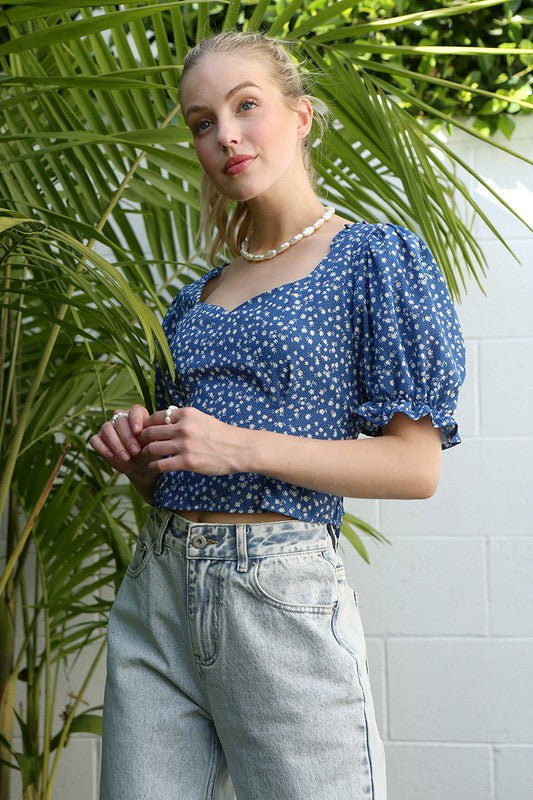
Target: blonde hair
x,y
233,224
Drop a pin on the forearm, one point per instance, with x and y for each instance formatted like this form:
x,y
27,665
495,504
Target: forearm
x,y
388,466
403,463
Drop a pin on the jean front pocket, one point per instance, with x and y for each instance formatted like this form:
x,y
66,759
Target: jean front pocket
x,y
143,552
304,582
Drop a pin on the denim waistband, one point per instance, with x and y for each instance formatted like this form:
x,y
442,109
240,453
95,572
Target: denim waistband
x,y
237,540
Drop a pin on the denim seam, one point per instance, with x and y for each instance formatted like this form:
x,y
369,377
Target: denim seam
x,y
205,554
160,540
289,553
215,628
145,558
214,767
354,657
367,739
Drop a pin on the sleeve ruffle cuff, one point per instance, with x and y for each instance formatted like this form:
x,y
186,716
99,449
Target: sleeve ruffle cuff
x,y
372,416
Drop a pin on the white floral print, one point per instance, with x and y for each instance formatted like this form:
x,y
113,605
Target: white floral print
x,y
370,332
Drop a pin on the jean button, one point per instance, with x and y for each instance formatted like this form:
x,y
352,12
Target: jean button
x,y
198,541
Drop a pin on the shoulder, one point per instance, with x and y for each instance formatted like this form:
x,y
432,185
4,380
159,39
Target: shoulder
x,y
386,251
383,238
186,297
173,312
362,239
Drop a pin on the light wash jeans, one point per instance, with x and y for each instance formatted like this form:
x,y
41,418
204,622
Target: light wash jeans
x,y
237,650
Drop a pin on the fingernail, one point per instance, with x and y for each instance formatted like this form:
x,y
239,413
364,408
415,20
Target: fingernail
x,y
124,456
108,454
135,449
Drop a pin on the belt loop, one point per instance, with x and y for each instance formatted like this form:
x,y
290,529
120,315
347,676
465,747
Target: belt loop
x,y
161,531
333,535
242,553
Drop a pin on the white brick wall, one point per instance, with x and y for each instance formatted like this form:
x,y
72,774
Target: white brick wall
x,y
448,608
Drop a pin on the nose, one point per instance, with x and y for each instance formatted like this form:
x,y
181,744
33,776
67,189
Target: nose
x,y
227,131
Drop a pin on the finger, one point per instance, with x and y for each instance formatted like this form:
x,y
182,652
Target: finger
x,y
99,446
165,465
158,433
123,427
156,419
137,415
160,417
104,452
111,438
159,449
125,433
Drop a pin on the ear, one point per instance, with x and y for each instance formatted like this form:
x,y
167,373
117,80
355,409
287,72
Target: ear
x,y
304,110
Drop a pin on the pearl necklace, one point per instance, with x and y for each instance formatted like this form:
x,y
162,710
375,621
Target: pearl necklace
x,y
296,238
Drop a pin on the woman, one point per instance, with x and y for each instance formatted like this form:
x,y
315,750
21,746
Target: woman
x,y
235,643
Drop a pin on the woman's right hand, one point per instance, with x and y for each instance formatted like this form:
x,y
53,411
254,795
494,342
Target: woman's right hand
x,y
117,442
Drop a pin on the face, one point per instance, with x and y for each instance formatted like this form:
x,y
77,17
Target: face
x,y
248,139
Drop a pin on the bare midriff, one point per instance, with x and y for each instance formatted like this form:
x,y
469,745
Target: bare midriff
x,y
230,517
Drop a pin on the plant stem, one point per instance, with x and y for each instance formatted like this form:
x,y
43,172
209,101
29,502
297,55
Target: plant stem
x,y
19,547
48,705
47,795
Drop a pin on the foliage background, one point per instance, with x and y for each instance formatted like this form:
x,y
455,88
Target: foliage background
x,y
98,186
505,26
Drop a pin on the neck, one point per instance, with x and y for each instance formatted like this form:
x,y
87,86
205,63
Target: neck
x,y
277,219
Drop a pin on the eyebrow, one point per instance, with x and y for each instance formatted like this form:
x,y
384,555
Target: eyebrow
x,y
228,96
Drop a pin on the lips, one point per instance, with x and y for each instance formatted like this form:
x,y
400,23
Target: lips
x,y
237,164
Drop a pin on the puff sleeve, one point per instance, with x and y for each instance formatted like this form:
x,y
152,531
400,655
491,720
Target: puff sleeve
x,y
163,389
410,354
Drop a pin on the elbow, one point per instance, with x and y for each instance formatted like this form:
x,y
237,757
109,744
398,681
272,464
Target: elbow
x,y
426,491
426,484
418,456
422,479
426,467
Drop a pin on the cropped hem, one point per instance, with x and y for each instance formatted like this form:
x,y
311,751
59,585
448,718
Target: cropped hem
x,y
372,416
333,508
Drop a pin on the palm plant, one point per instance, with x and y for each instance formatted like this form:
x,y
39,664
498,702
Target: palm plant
x,y
99,193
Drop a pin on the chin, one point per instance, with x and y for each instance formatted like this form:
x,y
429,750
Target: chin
x,y
243,188
241,194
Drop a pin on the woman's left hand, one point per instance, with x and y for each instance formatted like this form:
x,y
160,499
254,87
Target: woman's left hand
x,y
193,441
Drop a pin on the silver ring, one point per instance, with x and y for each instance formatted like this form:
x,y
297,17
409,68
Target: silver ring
x,y
168,414
117,416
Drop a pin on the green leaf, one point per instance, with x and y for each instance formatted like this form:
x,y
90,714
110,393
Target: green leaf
x,y
30,768
524,17
527,57
355,540
507,125
83,723
348,529
77,29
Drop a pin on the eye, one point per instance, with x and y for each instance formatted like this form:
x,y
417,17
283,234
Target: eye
x,y
249,103
200,126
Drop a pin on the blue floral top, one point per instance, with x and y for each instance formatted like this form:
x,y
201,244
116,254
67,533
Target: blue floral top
x,y
370,332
